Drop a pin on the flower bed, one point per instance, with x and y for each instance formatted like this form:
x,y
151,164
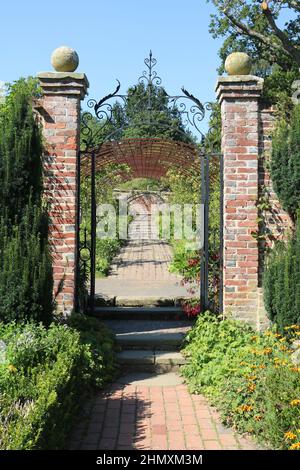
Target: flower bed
x,y
248,376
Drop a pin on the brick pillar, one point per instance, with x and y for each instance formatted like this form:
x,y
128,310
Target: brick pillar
x,y
59,109
239,97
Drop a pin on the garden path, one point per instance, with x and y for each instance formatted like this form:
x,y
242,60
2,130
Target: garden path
x,y
142,266
145,412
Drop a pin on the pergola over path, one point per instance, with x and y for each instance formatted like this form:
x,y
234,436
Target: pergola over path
x,y
145,157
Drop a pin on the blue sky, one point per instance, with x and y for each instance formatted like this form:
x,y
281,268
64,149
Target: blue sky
x,y
112,38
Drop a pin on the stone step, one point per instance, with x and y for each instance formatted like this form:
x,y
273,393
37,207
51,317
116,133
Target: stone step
x,y
137,301
152,335
150,361
139,313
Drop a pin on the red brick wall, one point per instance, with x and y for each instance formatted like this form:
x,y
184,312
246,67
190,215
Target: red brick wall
x,y
247,125
60,113
239,98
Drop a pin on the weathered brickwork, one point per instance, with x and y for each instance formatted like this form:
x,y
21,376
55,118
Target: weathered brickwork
x,y
239,98
247,125
59,109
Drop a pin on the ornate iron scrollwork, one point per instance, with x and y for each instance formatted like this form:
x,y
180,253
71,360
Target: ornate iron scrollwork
x,y
186,105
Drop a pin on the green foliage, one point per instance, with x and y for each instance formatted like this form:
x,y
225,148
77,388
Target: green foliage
x,y
26,269
44,374
266,45
100,341
282,282
142,184
162,121
206,345
106,249
185,261
20,152
270,59
137,120
249,377
25,263
285,162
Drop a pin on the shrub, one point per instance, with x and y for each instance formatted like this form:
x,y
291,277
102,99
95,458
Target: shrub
x,y
282,282
43,375
25,263
285,162
106,249
20,151
26,269
248,376
101,342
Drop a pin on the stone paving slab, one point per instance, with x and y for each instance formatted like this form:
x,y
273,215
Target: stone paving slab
x,y
112,289
135,414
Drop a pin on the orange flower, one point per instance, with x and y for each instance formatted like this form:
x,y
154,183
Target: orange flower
x,y
290,435
295,446
246,408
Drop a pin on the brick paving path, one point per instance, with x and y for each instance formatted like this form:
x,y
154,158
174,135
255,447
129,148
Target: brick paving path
x,y
143,260
152,418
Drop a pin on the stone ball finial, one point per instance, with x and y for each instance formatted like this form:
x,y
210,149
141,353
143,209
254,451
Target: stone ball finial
x,y
64,59
238,63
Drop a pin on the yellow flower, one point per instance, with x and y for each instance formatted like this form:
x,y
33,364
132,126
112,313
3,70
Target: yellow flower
x,y
267,351
295,446
290,435
297,333
282,340
12,368
254,338
268,333
295,402
257,418
283,348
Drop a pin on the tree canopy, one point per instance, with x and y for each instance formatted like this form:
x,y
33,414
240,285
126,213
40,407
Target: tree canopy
x,y
252,26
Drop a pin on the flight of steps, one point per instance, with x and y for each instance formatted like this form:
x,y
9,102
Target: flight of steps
x,y
149,337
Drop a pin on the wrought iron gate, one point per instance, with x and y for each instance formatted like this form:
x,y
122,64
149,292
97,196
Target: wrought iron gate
x,y
99,128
